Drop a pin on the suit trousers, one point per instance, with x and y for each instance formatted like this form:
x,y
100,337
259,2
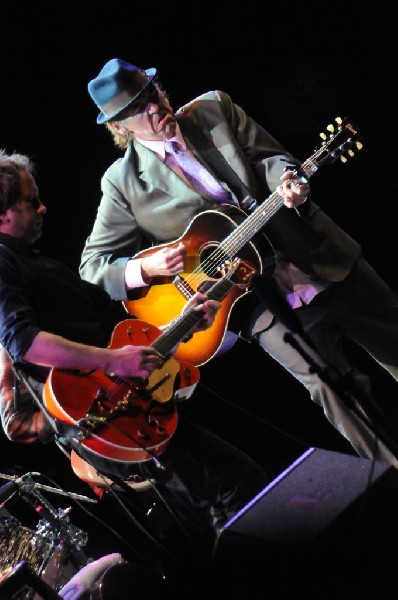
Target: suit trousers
x,y
363,309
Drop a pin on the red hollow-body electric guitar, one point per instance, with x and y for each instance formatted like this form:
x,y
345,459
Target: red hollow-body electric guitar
x,y
130,419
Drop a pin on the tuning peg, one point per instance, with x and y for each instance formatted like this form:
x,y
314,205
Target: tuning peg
x,y
351,153
359,145
343,159
338,120
330,128
323,136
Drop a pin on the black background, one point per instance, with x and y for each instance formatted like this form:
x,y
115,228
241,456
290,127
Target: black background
x,y
294,68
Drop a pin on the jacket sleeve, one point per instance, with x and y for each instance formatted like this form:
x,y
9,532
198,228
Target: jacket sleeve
x,y
115,237
267,157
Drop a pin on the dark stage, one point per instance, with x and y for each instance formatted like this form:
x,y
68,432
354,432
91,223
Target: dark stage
x,y
294,70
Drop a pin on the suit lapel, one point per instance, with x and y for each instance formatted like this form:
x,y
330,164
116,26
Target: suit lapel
x,y
219,157
154,172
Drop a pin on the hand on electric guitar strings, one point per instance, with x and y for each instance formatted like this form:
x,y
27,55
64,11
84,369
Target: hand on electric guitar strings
x,y
133,361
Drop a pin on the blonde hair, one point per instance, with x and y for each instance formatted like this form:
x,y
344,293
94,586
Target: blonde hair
x,y
119,139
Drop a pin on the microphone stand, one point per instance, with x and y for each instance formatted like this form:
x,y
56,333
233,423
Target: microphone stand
x,y
267,292
348,396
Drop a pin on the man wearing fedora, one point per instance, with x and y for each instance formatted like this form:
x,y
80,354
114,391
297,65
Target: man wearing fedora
x,y
205,156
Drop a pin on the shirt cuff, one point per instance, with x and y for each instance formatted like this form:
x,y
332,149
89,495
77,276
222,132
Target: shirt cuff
x,y
133,274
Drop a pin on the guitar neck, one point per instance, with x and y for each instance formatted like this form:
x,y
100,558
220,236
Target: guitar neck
x,y
183,325
337,144
255,221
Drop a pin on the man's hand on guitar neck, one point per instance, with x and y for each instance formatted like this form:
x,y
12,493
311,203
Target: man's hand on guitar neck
x,y
294,189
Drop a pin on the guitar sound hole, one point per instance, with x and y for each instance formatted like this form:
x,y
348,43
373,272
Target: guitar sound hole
x,y
212,260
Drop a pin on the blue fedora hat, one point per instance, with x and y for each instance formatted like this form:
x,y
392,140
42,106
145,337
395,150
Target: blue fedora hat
x,y
117,85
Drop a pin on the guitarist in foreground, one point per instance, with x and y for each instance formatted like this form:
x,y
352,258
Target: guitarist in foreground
x,y
182,173
52,322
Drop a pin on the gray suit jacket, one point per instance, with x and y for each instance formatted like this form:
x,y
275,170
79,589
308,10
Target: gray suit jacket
x,y
145,203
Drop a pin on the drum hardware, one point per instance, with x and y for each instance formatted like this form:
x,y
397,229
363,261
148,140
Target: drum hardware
x,y
55,547
16,581
32,484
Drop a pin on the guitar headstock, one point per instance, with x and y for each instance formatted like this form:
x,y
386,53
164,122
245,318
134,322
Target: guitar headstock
x,y
340,141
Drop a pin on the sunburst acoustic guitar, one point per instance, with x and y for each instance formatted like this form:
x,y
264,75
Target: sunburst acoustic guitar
x,y
216,237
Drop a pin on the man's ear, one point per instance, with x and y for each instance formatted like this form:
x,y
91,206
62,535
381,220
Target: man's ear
x,y
118,128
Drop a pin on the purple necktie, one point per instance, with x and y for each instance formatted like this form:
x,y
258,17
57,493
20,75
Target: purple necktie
x,y
202,180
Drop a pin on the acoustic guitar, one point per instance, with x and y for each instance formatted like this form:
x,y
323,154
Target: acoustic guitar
x,y
221,235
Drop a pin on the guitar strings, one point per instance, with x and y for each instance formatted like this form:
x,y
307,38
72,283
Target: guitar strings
x,y
211,265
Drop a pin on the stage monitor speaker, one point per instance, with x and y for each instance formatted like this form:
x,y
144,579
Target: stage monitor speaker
x,y
327,524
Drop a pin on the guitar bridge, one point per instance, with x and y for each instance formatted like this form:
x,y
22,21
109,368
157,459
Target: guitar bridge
x,y
183,287
104,411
